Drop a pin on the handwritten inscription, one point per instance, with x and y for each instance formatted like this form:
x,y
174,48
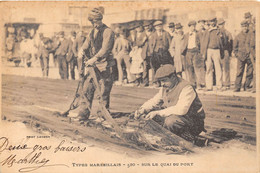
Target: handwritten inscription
x,y
32,158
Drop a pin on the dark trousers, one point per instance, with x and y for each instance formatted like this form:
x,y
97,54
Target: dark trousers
x,y
194,68
63,66
252,57
225,62
240,72
72,64
44,61
105,81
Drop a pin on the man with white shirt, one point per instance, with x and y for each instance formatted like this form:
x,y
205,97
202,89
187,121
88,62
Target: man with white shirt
x,y
193,61
177,104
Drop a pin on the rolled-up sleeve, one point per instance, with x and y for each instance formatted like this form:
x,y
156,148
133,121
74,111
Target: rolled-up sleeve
x,y
107,44
182,107
153,102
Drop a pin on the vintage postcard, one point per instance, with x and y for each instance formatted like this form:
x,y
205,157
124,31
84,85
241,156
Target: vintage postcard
x,y
125,86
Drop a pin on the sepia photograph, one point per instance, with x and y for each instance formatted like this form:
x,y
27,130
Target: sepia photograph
x,y
128,86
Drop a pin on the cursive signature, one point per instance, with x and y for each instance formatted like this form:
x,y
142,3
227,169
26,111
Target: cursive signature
x,y
34,158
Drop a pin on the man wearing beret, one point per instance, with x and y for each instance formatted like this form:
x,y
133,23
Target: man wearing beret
x,y
227,46
243,57
63,53
194,64
98,47
176,105
213,52
159,44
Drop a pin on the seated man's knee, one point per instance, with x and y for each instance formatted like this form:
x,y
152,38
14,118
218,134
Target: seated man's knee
x,y
171,124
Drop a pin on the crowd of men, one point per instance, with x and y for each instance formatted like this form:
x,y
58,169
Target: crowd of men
x,y
201,56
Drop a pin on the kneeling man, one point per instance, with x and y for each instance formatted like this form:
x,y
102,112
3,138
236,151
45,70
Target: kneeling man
x,y
177,104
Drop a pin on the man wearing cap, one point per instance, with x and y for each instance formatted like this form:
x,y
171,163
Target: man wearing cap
x,y
80,38
171,27
43,54
148,77
63,53
227,46
121,50
213,52
175,49
250,42
243,57
194,64
159,45
201,32
177,104
98,47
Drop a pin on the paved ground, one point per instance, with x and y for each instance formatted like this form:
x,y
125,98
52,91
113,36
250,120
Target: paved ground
x,y
35,71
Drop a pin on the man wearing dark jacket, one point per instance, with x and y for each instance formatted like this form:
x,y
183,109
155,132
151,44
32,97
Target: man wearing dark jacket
x,y
159,44
243,57
63,53
43,54
213,53
77,45
228,46
98,47
193,62
251,48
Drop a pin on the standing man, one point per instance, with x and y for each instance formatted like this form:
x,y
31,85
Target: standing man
x,y
251,48
159,46
177,104
71,59
227,46
149,30
98,45
63,53
243,57
140,42
194,64
213,53
121,51
175,50
10,41
76,47
43,54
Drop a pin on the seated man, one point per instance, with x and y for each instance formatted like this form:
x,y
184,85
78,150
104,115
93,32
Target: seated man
x,y
177,104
